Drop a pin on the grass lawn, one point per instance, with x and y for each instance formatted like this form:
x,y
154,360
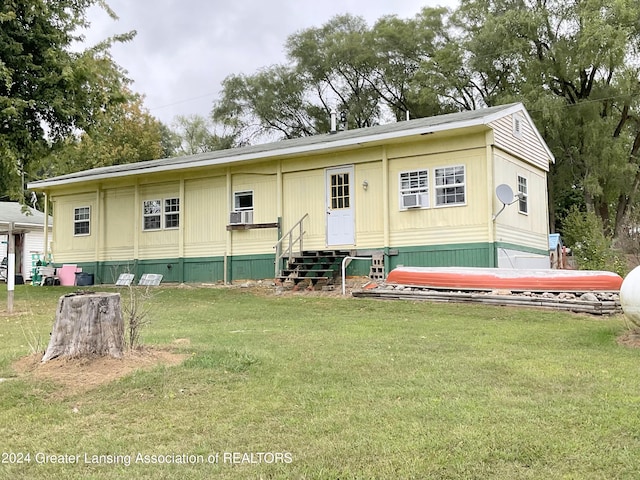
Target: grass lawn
x,y
316,387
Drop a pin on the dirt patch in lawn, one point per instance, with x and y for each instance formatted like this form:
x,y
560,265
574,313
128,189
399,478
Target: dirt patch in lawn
x,y
630,338
78,375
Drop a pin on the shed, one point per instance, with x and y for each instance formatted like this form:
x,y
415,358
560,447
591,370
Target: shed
x,y
28,230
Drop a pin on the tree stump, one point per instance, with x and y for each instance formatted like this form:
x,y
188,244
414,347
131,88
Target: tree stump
x,y
87,324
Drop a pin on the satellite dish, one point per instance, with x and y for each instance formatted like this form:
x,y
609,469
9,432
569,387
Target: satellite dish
x,y
504,193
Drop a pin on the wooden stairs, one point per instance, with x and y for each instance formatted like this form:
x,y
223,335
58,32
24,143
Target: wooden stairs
x,y
314,268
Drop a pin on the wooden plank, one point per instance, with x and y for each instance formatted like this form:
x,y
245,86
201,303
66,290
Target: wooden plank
x,y
251,226
604,307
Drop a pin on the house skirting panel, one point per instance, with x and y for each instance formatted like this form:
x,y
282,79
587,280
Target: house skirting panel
x,y
255,267
186,270
450,255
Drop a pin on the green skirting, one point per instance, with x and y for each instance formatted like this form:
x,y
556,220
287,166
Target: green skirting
x,y
186,270
256,267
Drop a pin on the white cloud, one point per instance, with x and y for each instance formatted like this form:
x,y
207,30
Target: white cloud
x,y
185,48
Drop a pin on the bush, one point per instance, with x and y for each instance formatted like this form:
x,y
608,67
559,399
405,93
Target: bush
x,y
592,249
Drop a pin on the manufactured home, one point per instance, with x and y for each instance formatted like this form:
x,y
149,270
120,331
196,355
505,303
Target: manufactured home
x,y
26,225
414,193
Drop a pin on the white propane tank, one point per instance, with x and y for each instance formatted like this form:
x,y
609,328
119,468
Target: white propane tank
x,y
630,296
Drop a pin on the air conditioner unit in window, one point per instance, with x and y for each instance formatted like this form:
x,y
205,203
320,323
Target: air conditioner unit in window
x,y
411,200
241,218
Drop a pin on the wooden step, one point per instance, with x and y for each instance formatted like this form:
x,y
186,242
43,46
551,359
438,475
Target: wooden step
x,y
312,280
306,273
325,253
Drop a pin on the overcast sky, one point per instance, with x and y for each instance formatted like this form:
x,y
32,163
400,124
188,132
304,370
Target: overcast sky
x,y
185,48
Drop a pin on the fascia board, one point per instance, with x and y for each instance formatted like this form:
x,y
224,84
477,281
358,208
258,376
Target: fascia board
x,y
284,152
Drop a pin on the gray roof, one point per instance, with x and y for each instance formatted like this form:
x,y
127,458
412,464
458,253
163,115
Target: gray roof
x,y
296,146
13,212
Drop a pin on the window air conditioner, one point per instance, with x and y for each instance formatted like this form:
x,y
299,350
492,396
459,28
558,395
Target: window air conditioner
x,y
241,218
411,200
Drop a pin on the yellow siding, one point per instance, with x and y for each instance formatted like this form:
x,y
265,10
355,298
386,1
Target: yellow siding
x,y
437,143
264,194
66,246
254,241
441,225
529,229
263,186
118,211
205,216
320,162
304,192
450,234
158,243
369,205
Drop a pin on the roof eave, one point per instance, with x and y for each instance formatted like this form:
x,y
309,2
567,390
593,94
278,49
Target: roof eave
x,y
284,152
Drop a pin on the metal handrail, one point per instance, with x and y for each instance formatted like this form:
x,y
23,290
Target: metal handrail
x,y
288,252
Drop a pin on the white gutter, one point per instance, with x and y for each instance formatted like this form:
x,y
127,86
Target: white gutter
x,y
17,225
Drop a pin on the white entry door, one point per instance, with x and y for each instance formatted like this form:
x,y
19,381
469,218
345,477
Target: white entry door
x,y
340,214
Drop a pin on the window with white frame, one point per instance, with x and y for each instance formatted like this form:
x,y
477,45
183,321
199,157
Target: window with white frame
x,y
523,204
243,200
158,214
171,212
450,186
242,207
81,220
414,189
152,215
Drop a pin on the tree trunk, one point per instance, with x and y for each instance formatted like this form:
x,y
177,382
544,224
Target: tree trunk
x,y
87,324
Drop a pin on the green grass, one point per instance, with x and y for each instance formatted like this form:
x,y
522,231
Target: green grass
x,y
347,388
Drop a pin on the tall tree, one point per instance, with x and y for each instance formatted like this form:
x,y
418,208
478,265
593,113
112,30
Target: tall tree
x,y
335,61
574,63
123,133
270,103
368,73
402,52
48,91
196,134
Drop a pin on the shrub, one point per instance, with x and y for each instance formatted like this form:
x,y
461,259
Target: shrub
x,y
592,249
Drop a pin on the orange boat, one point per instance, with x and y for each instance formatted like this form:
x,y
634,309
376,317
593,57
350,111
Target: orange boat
x,y
475,278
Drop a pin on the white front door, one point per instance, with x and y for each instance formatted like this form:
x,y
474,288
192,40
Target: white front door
x,y
340,214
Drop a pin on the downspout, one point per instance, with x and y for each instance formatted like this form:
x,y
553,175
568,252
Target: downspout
x,y
491,180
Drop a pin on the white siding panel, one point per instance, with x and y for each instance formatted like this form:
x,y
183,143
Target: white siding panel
x,y
33,244
521,236
527,146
